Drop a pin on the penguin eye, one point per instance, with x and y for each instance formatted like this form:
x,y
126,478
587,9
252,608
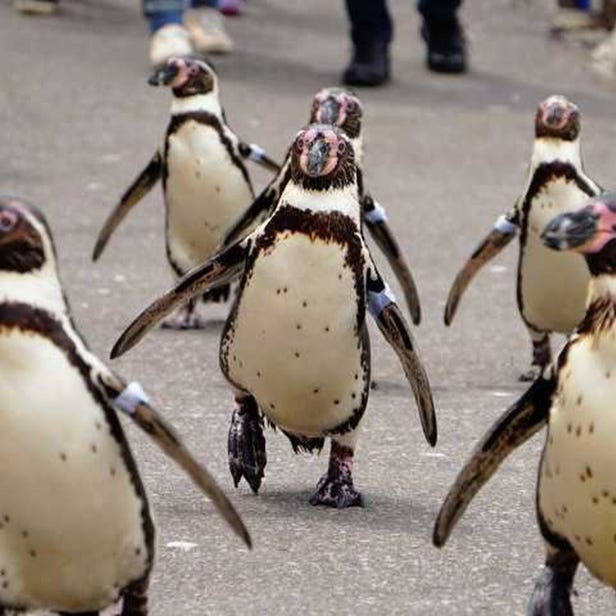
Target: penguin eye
x,y
8,220
341,147
299,144
351,106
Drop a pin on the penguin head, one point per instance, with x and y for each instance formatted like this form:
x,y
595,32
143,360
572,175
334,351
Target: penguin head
x,y
322,158
186,76
339,107
557,117
25,241
590,230
28,269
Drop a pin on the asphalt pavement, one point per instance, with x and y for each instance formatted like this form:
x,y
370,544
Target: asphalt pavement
x,y
446,156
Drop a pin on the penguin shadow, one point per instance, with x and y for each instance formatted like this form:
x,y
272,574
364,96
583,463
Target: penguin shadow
x,y
383,512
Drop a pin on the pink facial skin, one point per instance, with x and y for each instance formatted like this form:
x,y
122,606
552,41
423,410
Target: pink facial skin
x,y
606,229
184,72
308,138
556,103
342,113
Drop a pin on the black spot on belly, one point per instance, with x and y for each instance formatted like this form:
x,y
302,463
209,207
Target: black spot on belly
x,y
608,374
336,402
588,541
315,391
7,518
582,478
94,448
595,500
138,551
98,425
579,400
304,304
589,472
569,428
32,553
24,534
112,471
591,428
62,456
298,326
578,431
5,584
296,354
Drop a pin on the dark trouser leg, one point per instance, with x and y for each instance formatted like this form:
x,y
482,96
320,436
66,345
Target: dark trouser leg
x,y
371,33
335,488
443,35
246,443
552,593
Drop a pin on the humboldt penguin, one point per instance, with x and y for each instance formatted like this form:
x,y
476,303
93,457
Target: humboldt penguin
x,y
295,347
344,110
76,533
576,487
551,288
205,181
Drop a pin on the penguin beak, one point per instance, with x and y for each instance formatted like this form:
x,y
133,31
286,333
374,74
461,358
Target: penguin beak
x,y
318,157
329,112
573,230
164,76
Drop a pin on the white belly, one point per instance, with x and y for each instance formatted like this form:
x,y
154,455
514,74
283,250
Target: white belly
x,y
553,284
205,194
578,483
294,343
70,520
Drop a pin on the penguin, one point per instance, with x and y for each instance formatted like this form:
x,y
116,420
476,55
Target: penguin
x,y
344,110
551,288
205,181
576,487
295,347
76,532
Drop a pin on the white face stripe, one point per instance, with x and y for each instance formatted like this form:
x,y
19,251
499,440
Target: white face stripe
x,y
546,149
199,102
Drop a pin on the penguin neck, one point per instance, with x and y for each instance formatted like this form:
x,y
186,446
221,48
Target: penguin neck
x,y
40,289
548,149
342,200
358,149
600,315
198,102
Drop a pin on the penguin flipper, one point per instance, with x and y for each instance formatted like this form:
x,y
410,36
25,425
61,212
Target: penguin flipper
x,y
390,321
260,208
135,192
132,401
376,221
218,270
257,154
521,421
491,245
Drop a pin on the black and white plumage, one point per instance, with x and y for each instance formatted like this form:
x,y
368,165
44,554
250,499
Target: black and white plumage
x,y
295,346
551,288
340,108
76,533
576,488
205,181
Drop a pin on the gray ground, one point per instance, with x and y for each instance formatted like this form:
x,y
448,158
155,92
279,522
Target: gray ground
x,y
446,156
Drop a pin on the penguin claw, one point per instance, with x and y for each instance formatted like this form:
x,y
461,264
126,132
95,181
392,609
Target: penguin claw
x,y
336,492
246,445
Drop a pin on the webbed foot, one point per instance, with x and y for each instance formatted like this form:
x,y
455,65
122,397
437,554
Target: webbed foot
x,y
246,443
335,488
551,595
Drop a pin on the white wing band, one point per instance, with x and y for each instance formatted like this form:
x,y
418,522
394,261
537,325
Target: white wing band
x,y
130,397
256,152
380,300
378,214
504,225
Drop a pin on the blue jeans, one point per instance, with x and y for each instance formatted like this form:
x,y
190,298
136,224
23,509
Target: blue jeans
x,y
154,7
371,21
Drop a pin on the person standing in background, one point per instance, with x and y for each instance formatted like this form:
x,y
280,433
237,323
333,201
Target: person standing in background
x,y
174,29
372,33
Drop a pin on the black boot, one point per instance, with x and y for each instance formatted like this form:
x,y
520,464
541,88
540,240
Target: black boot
x,y
369,66
446,46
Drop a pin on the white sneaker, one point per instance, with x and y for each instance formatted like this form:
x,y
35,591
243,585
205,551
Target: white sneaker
x,y
168,41
207,31
36,7
604,57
